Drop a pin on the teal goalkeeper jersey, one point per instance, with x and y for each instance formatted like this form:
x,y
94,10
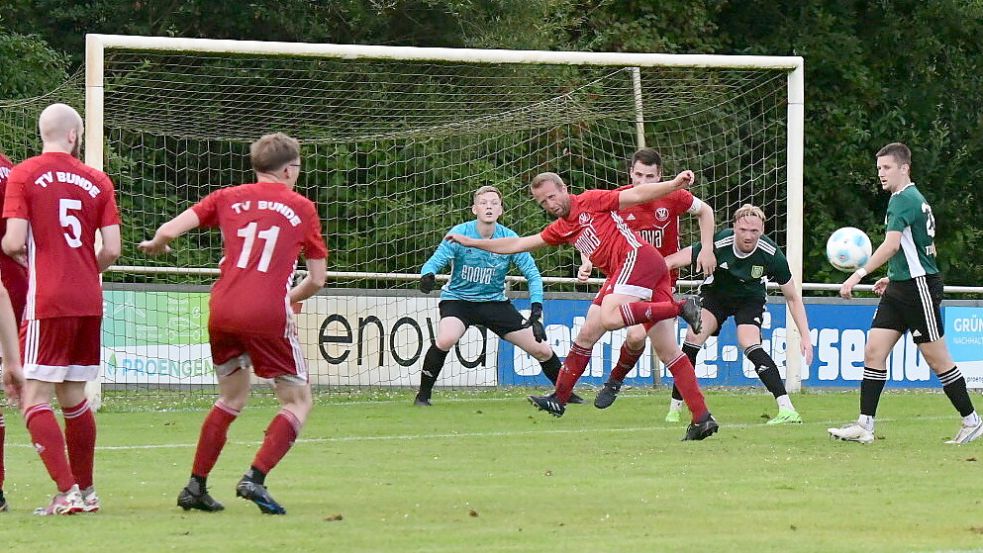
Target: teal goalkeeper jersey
x,y
909,213
477,275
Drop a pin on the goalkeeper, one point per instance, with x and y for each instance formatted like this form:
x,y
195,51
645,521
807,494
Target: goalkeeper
x,y
475,294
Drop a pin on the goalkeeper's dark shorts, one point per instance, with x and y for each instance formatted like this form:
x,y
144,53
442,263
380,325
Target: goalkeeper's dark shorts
x,y
500,317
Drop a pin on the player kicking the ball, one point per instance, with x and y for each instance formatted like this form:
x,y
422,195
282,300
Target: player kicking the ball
x,y
638,289
265,226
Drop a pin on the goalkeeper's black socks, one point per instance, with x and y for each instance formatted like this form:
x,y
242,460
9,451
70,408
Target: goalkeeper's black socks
x,y
255,475
551,368
433,362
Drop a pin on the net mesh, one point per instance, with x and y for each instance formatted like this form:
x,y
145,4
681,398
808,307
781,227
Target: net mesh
x,y
392,153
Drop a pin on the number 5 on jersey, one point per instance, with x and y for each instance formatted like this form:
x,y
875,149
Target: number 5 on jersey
x,y
71,222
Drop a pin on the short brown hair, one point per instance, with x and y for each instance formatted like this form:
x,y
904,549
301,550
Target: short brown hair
x,y
648,156
899,151
273,151
748,210
488,188
539,179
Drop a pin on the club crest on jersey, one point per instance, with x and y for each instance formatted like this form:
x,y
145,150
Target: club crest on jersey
x,y
584,218
757,271
662,214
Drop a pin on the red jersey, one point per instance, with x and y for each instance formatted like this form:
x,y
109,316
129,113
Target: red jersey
x,y
265,226
594,227
658,220
12,274
64,202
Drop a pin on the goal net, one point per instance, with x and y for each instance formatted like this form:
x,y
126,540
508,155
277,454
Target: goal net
x,y
395,141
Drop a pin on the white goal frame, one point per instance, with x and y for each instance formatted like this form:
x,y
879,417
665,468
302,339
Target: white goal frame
x,y
97,44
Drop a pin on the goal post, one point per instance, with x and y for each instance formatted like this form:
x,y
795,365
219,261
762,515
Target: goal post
x,y
395,140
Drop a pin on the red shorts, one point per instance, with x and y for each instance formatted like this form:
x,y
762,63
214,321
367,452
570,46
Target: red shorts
x,y
644,275
61,348
278,357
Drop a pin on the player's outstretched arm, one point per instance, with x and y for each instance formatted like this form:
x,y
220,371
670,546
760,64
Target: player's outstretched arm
x,y
514,244
884,252
111,247
317,271
798,309
14,242
682,258
168,232
649,191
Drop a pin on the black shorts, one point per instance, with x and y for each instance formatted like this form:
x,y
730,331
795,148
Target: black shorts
x,y
746,311
912,305
500,317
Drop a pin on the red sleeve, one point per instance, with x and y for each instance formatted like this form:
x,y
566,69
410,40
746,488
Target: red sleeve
x,y
14,205
110,212
681,200
554,234
314,247
601,200
207,210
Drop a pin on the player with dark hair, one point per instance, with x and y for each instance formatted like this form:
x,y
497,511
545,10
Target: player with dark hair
x,y
265,226
911,295
475,294
657,222
54,205
638,291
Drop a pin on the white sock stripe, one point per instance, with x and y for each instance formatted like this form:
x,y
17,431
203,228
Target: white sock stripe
x,y
675,359
3,422
951,376
226,408
627,315
751,349
874,374
75,413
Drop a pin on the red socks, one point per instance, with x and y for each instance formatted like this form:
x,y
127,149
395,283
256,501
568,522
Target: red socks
x,y
80,437
49,443
280,435
685,380
626,361
214,431
573,366
648,312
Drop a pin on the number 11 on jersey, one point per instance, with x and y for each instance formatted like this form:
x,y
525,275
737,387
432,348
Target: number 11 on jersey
x,y
248,234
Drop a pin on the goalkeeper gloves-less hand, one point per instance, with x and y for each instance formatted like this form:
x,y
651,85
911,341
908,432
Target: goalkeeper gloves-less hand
x,y
535,314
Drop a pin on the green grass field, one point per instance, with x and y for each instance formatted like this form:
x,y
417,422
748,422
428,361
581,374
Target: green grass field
x,y
483,471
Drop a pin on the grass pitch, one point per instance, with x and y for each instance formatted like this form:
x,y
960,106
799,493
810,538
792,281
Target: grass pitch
x,y
483,471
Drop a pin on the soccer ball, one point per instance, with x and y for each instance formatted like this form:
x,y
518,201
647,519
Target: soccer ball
x,y
848,249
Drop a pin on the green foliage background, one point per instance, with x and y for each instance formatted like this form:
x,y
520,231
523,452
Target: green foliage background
x,y
876,72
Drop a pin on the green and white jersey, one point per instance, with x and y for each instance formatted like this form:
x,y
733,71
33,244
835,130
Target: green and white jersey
x,y
744,275
909,214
